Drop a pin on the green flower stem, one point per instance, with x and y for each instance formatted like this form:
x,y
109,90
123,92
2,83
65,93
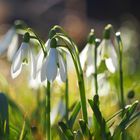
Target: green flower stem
x,y
121,71
66,93
40,42
75,56
81,84
121,79
48,111
67,100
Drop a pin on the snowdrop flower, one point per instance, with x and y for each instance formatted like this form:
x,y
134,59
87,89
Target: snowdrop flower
x,y
87,56
23,56
10,43
35,82
107,51
53,63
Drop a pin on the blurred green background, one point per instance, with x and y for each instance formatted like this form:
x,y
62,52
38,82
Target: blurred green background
x,y
77,17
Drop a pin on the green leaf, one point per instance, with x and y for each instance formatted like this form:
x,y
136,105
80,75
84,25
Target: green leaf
x,y
22,133
125,121
78,135
4,116
74,114
105,134
66,131
85,129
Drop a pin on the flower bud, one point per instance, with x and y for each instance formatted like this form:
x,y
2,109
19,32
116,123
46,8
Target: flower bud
x,y
107,31
91,37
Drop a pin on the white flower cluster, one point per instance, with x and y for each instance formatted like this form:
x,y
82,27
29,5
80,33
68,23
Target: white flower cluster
x,y
42,66
105,53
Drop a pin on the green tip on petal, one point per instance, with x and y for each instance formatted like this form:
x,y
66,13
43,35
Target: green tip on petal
x,y
53,43
52,33
107,31
26,37
91,37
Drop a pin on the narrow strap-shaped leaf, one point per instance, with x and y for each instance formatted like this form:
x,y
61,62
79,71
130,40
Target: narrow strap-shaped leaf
x,y
133,119
85,129
21,137
125,121
4,116
95,107
66,131
78,135
74,114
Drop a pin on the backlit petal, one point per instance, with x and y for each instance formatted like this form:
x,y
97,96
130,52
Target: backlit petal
x,y
83,56
6,40
51,70
16,64
62,68
47,45
109,65
43,70
13,46
32,64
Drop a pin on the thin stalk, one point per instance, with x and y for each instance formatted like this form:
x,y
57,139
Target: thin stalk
x,y
48,111
67,100
121,72
66,94
79,73
121,78
40,42
81,85
83,97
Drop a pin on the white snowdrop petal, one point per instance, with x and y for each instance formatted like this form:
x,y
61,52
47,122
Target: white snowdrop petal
x,y
90,70
62,68
25,51
16,64
83,56
113,56
43,75
13,46
6,40
109,65
51,70
47,44
90,55
40,58
32,64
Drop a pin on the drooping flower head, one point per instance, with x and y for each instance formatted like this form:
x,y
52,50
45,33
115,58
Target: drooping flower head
x,y
53,63
23,56
107,50
87,56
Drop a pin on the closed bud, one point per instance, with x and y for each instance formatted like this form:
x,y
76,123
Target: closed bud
x,y
91,37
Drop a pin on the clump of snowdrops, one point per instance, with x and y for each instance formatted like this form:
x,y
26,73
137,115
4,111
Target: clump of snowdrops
x,y
48,61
